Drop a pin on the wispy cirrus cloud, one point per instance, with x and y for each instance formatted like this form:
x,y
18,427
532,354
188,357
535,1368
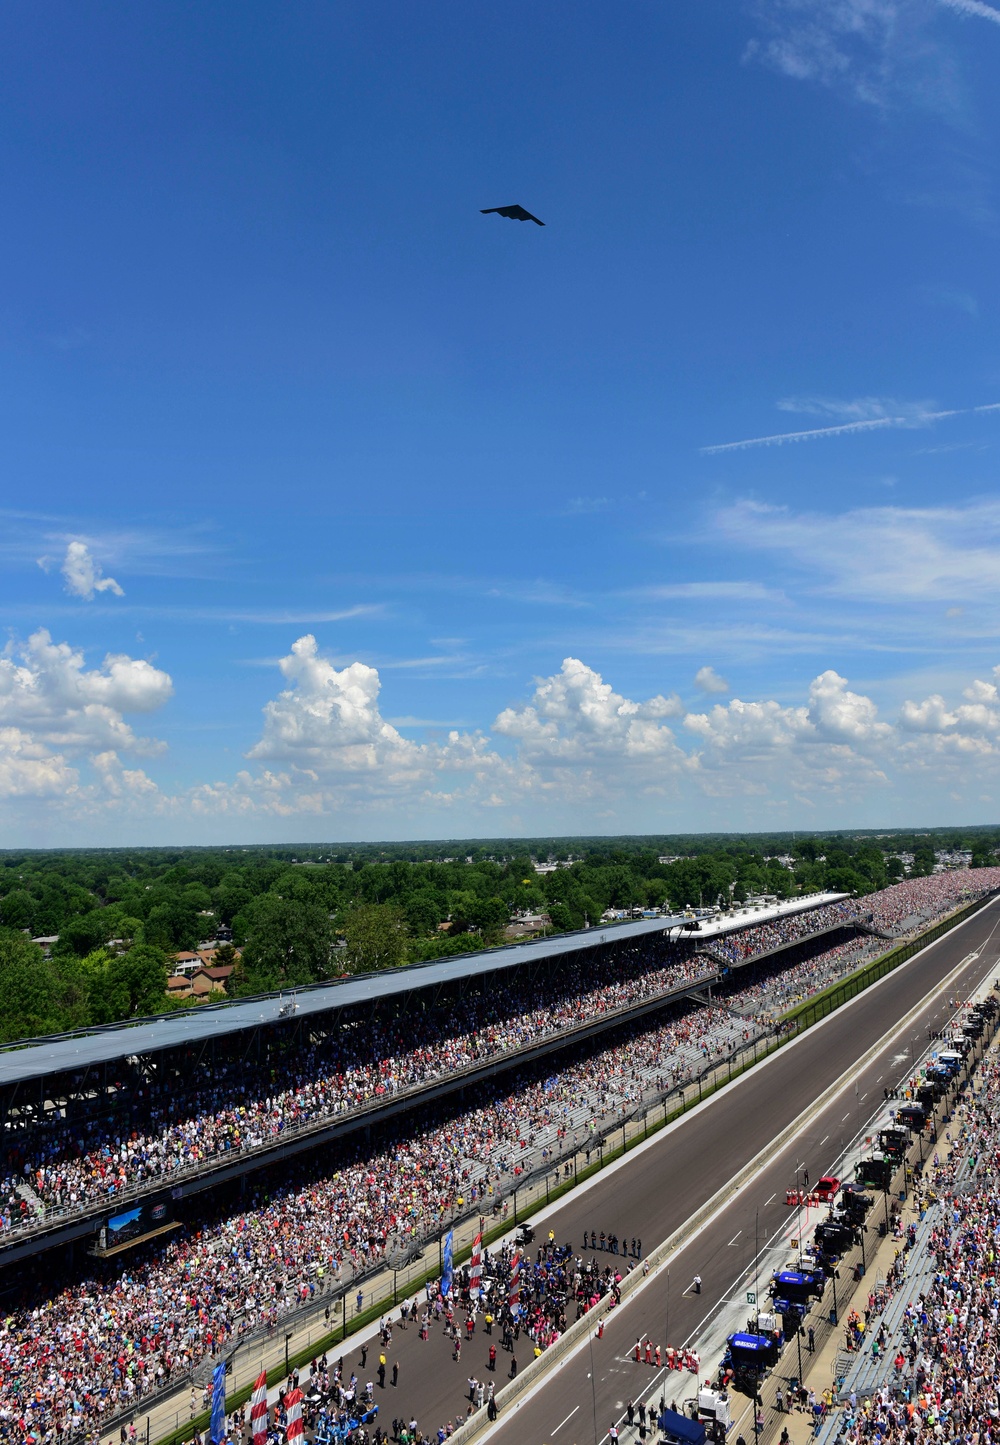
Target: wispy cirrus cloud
x,y
880,418
878,52
974,9
708,592
884,554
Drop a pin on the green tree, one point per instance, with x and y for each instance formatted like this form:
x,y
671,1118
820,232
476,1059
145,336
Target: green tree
x,y
18,909
31,990
287,944
376,937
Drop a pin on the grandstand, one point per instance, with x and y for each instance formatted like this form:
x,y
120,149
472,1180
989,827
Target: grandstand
x,y
60,1094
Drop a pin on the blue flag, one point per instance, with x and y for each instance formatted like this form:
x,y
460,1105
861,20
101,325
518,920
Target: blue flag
x,y
446,1275
217,1426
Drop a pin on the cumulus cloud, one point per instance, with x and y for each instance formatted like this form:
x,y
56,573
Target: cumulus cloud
x,y
834,741
975,720
29,770
326,751
575,716
330,719
706,679
53,706
83,575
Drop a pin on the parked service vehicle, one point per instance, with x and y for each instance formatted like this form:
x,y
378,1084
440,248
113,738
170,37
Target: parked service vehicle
x,y
712,1409
877,1172
914,1116
834,1237
792,1290
749,1357
826,1188
894,1141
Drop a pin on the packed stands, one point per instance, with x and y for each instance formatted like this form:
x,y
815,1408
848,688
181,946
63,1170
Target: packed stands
x,y
733,948
75,1161
172,1125
100,1342
77,1348
935,1346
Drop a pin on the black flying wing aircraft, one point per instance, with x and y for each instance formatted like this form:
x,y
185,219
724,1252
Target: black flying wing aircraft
x,y
512,213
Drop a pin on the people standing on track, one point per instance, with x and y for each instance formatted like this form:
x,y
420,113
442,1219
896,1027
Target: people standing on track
x,y
696,1284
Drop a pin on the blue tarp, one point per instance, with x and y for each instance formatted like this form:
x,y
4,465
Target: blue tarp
x,y
679,1427
750,1344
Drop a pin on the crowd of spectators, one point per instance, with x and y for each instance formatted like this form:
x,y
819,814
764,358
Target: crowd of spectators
x,y
80,1350
110,1336
915,902
941,1371
176,1123
733,948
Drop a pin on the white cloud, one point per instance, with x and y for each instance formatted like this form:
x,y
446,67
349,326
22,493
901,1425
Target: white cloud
x,y
878,52
336,752
52,705
83,574
708,592
833,744
862,408
974,9
706,679
572,750
576,717
975,721
29,770
886,554
929,716
330,719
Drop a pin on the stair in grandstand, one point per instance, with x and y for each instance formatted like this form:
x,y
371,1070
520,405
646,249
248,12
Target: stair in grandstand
x,y
709,952
842,1367
875,932
32,1200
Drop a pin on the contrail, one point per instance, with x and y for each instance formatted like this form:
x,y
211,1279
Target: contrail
x,y
974,7
875,423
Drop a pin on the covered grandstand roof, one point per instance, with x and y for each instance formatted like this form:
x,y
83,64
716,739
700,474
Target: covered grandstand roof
x,y
69,1053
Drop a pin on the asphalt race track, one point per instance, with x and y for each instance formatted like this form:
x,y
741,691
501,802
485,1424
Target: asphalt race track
x,y
657,1189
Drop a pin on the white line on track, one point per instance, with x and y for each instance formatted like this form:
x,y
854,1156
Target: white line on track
x,y
846,1116
735,1237
568,1417
767,1201
822,1141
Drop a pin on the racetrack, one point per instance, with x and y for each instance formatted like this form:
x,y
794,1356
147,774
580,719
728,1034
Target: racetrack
x,y
660,1186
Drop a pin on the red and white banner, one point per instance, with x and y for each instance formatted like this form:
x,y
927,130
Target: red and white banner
x,y
514,1292
258,1409
293,1412
476,1267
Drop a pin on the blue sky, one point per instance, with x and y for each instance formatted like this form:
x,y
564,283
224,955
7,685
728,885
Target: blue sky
x,y
335,509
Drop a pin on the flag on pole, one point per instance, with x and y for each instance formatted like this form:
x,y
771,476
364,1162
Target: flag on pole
x,y
217,1422
514,1292
447,1271
294,1434
476,1267
258,1409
